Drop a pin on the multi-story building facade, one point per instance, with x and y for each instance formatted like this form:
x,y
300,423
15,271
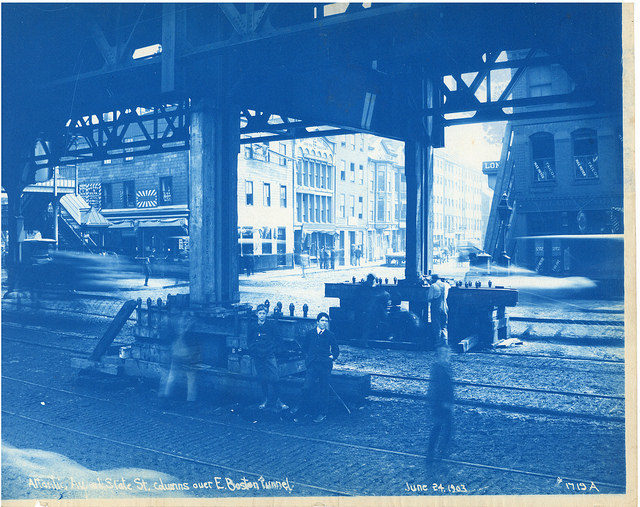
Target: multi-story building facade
x,y
351,196
457,203
314,183
564,178
265,204
387,189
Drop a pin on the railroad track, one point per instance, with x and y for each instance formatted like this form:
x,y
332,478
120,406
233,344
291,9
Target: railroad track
x,y
253,429
387,393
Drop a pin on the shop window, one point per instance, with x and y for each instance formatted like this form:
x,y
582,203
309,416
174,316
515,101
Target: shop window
x,y
128,194
266,194
106,195
543,155
248,192
585,154
166,191
267,247
283,196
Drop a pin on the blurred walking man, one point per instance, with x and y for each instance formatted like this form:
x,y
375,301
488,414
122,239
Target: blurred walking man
x,y
440,397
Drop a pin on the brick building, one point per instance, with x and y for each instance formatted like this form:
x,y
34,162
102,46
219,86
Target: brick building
x,y
564,179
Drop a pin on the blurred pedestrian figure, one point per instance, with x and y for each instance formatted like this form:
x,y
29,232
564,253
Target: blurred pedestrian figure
x,y
438,293
352,258
325,258
320,348
440,397
184,355
146,269
333,258
264,341
321,258
304,261
358,255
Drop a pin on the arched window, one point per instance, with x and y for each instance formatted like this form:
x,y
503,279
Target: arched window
x,y
585,154
543,156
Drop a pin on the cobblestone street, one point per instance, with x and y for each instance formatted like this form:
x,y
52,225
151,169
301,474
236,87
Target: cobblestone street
x,y
51,417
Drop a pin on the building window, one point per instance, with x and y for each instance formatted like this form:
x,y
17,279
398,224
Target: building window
x,y
352,172
283,196
539,81
248,192
246,240
361,174
352,206
381,182
166,191
128,158
318,176
267,194
324,176
585,154
342,203
380,210
267,247
360,208
299,173
329,212
343,171
318,207
299,207
305,172
283,154
128,194
305,207
281,241
324,208
106,195
543,155
248,151
312,173
329,178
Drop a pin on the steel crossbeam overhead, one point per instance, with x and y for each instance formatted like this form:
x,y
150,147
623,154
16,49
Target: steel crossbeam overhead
x,y
161,128
354,68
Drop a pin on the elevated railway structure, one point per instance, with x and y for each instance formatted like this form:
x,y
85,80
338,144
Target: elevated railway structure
x,y
207,77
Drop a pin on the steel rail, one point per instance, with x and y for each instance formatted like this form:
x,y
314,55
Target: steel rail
x,y
301,437
171,454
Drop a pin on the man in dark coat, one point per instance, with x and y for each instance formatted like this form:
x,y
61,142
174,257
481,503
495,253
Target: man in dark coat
x,y
264,341
440,397
320,349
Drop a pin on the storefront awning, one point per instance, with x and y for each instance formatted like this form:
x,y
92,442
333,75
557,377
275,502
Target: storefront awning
x,y
149,223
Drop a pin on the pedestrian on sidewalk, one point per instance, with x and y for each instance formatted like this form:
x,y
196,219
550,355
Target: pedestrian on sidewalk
x,y
440,397
185,355
146,269
320,348
264,342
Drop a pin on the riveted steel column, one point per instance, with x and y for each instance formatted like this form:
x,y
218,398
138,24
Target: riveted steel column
x,y
213,168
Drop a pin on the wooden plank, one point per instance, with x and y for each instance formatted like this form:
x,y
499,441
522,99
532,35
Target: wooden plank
x,y
114,328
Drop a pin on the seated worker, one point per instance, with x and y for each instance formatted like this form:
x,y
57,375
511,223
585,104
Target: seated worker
x,y
184,355
263,341
320,349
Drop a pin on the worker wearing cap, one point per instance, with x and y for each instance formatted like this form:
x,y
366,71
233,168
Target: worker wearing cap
x,y
438,293
264,341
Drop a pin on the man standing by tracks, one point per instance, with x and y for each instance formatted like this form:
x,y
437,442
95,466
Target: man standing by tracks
x,y
263,342
438,293
320,348
440,397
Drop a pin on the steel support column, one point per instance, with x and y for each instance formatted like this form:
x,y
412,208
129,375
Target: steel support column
x,y
419,175
213,168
